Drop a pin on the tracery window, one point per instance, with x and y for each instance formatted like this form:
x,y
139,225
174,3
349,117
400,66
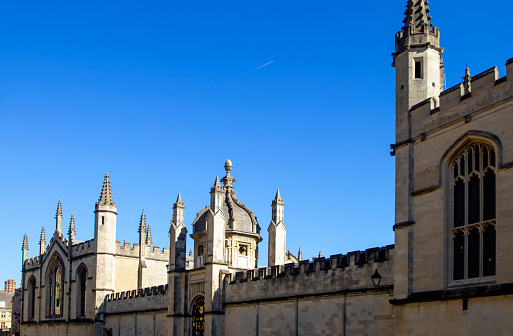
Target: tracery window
x,y
198,317
81,290
474,208
54,287
31,297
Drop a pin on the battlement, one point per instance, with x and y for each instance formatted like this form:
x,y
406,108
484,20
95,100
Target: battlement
x,y
151,298
31,262
455,104
322,275
81,248
152,252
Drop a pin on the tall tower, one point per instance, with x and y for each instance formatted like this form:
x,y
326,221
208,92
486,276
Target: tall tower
x,y
277,233
419,76
105,240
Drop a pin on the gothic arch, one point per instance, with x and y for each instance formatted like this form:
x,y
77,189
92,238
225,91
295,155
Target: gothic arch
x,y
81,288
54,284
468,175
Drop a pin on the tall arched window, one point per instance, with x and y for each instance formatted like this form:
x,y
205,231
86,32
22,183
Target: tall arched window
x,y
31,298
81,290
55,287
198,317
474,218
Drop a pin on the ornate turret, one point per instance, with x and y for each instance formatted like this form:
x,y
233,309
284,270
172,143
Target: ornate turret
x,y
232,231
42,242
277,233
24,248
58,217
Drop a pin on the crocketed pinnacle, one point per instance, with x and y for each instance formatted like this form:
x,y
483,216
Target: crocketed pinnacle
x,y
142,224
59,210
149,241
417,16
106,195
300,254
467,81
71,230
24,246
179,202
42,238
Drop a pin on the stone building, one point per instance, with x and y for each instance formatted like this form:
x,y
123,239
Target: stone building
x,y
6,307
449,272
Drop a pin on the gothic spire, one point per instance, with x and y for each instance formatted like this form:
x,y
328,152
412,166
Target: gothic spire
x,y
179,199
149,241
300,255
106,194
58,217
72,231
42,241
417,17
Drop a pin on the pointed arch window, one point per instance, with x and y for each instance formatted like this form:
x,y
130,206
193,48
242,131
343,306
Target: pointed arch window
x,y
55,287
81,285
474,213
31,298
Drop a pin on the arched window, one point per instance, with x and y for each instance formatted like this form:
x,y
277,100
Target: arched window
x,y
55,287
474,218
198,317
81,290
31,298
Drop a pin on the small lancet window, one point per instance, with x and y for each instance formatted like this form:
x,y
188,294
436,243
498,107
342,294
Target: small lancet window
x,y
418,68
474,213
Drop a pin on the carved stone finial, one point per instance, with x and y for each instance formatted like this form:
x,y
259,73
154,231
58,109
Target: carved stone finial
x,y
467,81
228,179
106,194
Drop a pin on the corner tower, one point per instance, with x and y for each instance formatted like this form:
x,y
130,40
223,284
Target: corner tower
x,y
105,216
418,62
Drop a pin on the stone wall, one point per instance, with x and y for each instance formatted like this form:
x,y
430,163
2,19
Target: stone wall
x,y
332,296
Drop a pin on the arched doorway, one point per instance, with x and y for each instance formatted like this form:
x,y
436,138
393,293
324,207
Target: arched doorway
x,y
198,317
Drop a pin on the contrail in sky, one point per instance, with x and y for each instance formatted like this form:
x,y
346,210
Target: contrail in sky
x,y
261,66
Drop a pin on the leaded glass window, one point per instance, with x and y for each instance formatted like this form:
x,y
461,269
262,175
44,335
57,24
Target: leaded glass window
x,y
474,213
198,317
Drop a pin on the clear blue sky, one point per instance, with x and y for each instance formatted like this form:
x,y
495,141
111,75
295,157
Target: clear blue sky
x,y
159,94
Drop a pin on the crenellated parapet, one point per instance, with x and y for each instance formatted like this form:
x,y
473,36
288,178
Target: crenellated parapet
x,y
462,102
145,299
152,252
32,263
338,273
83,248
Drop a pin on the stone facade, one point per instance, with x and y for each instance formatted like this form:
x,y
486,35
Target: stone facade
x,y
449,272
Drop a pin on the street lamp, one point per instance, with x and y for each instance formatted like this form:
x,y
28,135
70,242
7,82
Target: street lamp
x,y
376,280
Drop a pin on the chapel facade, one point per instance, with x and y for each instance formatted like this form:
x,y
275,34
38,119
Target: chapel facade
x,y
449,272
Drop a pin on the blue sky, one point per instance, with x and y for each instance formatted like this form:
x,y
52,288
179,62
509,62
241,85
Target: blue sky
x,y
160,94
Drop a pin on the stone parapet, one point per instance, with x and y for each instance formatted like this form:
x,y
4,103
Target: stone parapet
x,y
338,273
146,299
